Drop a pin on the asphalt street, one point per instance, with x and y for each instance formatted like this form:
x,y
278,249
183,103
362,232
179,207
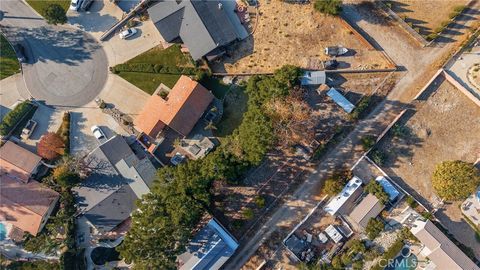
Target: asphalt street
x,y
65,67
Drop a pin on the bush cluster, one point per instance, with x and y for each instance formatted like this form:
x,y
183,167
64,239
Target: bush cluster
x,y
14,116
153,68
64,131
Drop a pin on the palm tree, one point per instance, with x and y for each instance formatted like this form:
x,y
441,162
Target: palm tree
x,y
210,126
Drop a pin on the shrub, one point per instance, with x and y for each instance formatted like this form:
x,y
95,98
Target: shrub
x,y
411,202
55,14
65,177
332,187
400,131
64,131
360,108
374,228
455,180
163,94
248,213
260,201
50,146
13,117
431,36
378,157
374,187
368,142
330,7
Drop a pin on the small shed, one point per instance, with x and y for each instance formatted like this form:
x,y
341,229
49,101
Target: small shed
x,y
340,100
334,233
313,78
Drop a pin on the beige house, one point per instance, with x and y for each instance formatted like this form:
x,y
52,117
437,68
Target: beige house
x,y
442,252
368,208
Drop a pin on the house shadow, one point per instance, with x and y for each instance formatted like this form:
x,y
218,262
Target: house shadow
x,y
92,20
234,52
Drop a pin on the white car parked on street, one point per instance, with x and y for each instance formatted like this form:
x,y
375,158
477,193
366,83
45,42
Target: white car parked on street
x,y
75,5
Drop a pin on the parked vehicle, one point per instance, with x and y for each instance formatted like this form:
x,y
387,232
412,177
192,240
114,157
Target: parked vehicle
x,y
331,64
177,159
85,5
20,50
75,5
98,133
28,129
335,51
127,33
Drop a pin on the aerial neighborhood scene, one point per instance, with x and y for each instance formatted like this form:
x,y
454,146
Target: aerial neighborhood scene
x,y
240,134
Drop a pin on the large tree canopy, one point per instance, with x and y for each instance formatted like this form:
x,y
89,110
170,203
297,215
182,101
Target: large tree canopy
x,y
455,180
55,14
166,217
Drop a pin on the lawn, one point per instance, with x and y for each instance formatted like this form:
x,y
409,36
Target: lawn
x,y
40,5
235,105
218,88
149,82
8,59
172,57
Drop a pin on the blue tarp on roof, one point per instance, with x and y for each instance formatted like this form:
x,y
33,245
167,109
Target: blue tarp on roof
x,y
340,100
388,187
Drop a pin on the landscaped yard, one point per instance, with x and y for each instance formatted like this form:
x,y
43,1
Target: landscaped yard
x,y
8,59
148,70
149,82
40,5
282,36
235,105
426,15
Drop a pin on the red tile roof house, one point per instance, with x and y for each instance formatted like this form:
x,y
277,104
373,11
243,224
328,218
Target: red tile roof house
x,y
180,110
24,202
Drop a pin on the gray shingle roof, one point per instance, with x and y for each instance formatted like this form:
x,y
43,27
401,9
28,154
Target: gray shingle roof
x,y
202,25
107,196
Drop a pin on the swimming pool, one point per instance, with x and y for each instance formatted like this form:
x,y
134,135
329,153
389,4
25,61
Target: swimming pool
x,y
3,232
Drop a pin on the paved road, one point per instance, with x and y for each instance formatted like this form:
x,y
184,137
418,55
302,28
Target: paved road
x,y
417,63
66,67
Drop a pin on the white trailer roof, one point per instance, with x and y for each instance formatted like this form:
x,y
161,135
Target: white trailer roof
x,y
340,100
334,233
336,203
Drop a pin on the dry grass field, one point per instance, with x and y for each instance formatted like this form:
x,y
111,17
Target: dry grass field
x,y
443,127
296,34
427,15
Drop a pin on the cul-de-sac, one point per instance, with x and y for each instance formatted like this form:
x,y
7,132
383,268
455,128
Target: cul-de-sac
x,y
240,134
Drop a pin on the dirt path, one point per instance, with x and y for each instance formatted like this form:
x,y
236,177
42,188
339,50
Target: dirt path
x,y
419,66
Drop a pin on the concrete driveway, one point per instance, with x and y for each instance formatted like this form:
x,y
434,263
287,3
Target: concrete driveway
x,y
82,140
101,16
66,66
9,94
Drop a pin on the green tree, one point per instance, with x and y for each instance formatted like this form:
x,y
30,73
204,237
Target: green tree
x,y
330,7
455,180
374,228
376,189
368,142
55,14
332,186
65,177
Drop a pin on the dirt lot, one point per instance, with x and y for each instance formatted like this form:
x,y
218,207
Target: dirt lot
x,y
427,15
282,36
445,126
284,168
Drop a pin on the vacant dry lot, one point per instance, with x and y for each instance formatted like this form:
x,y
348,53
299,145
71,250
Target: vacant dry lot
x,y
445,126
426,15
296,34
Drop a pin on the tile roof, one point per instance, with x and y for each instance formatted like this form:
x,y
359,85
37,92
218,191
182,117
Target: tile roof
x,y
24,204
18,161
185,104
202,24
444,252
368,208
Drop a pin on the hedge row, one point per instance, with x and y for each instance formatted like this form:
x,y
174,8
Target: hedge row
x,y
153,68
64,131
14,116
